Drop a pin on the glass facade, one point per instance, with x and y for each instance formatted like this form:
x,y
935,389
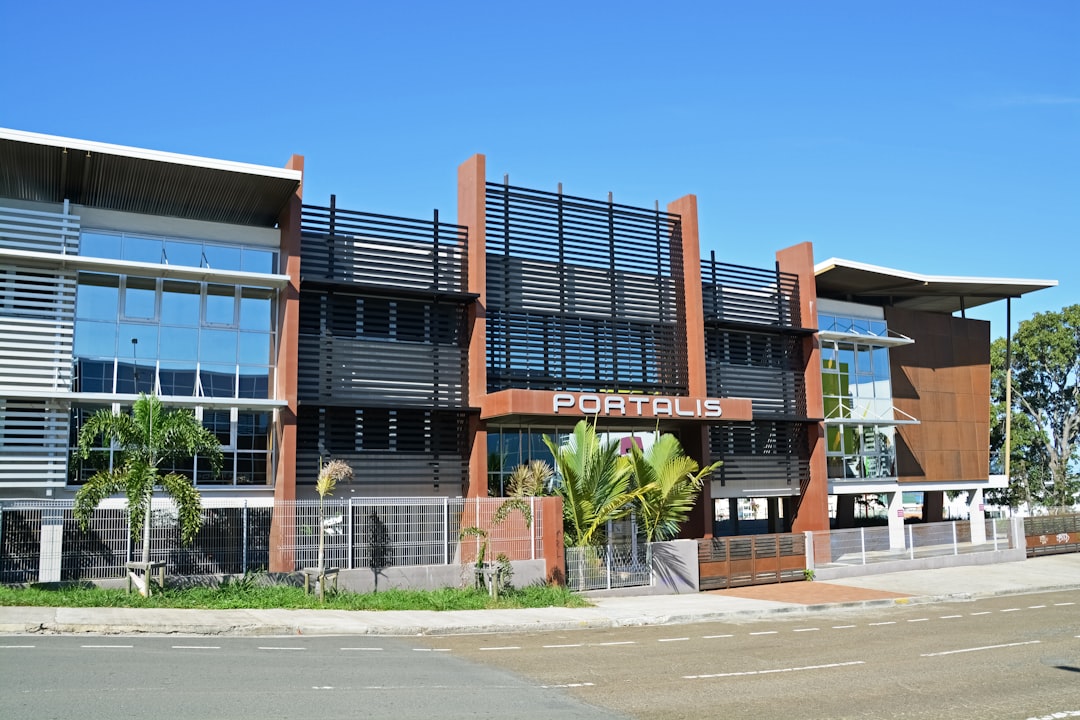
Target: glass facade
x,y
857,389
174,337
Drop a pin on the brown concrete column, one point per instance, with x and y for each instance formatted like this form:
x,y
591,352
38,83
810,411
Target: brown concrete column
x,y
699,524
813,509
472,210
551,510
282,521
690,294
933,509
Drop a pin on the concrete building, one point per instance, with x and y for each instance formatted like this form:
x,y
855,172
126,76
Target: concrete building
x,y
435,356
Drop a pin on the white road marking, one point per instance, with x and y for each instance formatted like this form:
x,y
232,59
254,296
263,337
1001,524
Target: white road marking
x,y
984,612
563,646
842,627
196,647
770,672
507,647
1055,716
1036,607
890,622
714,637
985,647
806,630
569,685
621,642
100,647
322,687
950,617
1063,604
431,649
363,649
281,648
17,647
919,620
672,639
1011,610
765,632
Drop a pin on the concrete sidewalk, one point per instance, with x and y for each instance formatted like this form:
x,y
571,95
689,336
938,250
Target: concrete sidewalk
x,y
1059,572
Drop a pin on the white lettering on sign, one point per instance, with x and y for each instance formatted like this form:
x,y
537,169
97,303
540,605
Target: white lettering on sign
x,y
636,405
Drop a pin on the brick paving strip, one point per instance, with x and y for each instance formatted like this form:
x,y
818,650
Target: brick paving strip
x,y
808,593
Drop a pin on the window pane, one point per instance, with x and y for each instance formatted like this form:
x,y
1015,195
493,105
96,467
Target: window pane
x,y
100,245
255,348
177,379
220,305
218,346
180,344
139,298
260,261
221,257
180,303
218,380
95,339
142,249
256,310
183,253
145,349
881,363
97,297
95,376
254,382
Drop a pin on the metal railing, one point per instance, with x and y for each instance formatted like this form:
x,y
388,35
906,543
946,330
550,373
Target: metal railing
x,y
609,566
869,545
40,541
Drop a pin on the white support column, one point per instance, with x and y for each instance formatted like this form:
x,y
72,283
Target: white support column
x,y
897,538
52,542
977,515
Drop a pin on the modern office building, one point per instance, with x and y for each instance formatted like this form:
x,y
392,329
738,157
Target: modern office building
x,y
434,356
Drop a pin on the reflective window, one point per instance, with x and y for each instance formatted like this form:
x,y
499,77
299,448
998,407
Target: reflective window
x,y
218,346
180,344
180,303
98,297
260,261
95,339
142,249
255,348
222,257
178,252
140,296
256,309
100,245
220,305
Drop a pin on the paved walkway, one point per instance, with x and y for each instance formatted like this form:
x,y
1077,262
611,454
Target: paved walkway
x,y
1058,572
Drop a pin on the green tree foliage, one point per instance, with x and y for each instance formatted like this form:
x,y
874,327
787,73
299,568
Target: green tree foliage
x,y
144,440
668,483
1046,407
530,479
595,485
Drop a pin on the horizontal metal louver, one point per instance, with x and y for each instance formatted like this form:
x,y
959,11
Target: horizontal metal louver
x,y
33,443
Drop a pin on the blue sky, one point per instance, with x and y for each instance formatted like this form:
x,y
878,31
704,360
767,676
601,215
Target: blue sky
x,y
936,137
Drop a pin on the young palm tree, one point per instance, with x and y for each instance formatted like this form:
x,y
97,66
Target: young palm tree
x,y
144,440
594,485
531,479
668,483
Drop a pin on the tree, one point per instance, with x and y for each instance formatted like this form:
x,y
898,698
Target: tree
x,y
330,475
668,483
531,479
144,440
594,484
1046,390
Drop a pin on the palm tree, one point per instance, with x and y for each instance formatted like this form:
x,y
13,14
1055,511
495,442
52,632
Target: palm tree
x,y
530,479
143,441
668,483
595,485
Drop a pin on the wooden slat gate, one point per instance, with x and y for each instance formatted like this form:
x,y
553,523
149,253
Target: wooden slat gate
x,y
1052,534
727,562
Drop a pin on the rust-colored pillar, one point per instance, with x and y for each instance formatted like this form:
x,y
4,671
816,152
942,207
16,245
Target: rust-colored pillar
x,y
695,440
472,209
933,506
285,378
813,509
551,510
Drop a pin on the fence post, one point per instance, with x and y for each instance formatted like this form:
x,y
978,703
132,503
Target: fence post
x,y
955,548
994,525
862,542
911,542
532,538
244,524
349,534
607,562
446,531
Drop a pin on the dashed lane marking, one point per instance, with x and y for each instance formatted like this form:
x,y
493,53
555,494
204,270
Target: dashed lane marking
x,y
778,670
951,617
431,649
507,647
196,647
806,630
568,685
984,612
984,647
1036,607
842,627
107,647
890,622
715,637
17,647
362,649
620,642
1010,610
1063,604
569,645
672,639
271,647
919,620
765,632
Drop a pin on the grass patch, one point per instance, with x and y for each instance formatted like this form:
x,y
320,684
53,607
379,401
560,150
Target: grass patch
x,y
244,593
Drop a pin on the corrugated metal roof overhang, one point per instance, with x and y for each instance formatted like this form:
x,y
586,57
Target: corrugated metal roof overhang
x,y
46,168
871,284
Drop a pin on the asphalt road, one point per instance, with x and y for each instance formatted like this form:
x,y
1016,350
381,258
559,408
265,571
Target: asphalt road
x,y
1009,657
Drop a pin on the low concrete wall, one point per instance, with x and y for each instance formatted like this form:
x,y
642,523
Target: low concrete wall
x,y
433,577
941,561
